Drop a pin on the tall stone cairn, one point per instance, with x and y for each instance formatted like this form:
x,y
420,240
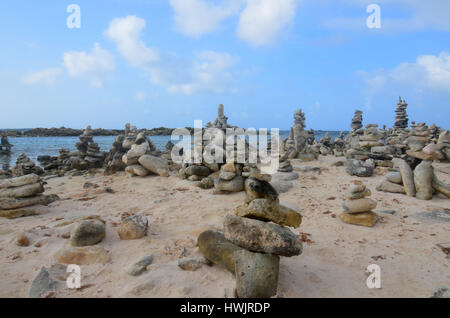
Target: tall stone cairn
x,y
401,117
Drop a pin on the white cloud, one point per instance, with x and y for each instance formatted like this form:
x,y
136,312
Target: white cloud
x,y
92,66
207,71
210,72
47,76
140,96
262,20
198,17
428,71
126,33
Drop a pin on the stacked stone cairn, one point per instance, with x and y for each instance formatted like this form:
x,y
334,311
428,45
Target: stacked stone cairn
x,y
225,177
299,144
326,146
339,145
25,166
141,157
421,182
87,157
358,206
18,193
401,117
254,239
422,144
5,146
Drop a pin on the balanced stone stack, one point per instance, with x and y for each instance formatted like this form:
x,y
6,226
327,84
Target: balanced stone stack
x,y
254,239
25,166
298,145
89,154
21,192
421,183
141,157
352,139
401,117
326,147
113,160
221,121
5,146
358,206
420,137
339,145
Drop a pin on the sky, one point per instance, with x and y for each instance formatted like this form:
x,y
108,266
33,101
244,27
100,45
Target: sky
x,y
167,63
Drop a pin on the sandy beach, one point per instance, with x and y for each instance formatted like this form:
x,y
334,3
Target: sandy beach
x,y
333,263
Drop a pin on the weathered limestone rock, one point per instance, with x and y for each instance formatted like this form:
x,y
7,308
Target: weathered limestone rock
x,y
82,255
259,236
133,227
256,274
19,181
407,177
87,233
137,170
395,177
423,179
256,189
234,185
265,210
192,263
359,205
387,186
217,249
14,203
359,168
156,165
441,187
22,191
368,219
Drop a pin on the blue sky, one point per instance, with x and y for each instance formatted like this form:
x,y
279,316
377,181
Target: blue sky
x,y
165,63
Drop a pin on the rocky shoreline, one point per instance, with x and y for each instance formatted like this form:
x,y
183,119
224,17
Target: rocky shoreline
x,y
71,132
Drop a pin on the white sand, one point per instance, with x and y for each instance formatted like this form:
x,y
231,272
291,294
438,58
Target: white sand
x,y
333,263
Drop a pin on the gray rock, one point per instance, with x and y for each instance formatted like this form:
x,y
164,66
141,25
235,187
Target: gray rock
x,y
434,216
358,168
226,175
217,249
200,171
234,185
423,180
191,263
87,233
407,176
258,236
48,280
141,266
390,187
256,274
282,186
443,292
133,227
394,177
285,176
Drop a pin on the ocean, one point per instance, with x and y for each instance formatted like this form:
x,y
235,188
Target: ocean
x,y
38,146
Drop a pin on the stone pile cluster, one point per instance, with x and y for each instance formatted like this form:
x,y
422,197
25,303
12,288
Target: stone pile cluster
x,y
25,166
254,238
423,144
339,145
5,146
141,155
421,182
19,193
358,206
88,156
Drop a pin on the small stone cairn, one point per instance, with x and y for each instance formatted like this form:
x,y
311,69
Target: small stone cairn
x,y
401,117
25,166
254,239
358,206
299,144
18,193
141,155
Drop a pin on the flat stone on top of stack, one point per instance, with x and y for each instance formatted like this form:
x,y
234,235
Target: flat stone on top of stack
x,y
254,238
358,206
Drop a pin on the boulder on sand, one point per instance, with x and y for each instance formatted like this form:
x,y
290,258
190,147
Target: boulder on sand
x,y
156,165
423,180
407,176
24,191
